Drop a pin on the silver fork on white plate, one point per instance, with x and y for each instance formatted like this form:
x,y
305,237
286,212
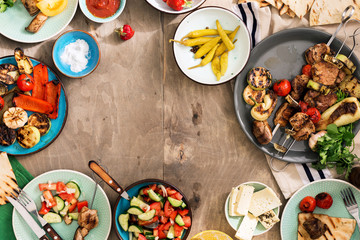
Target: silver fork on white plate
x,y
351,204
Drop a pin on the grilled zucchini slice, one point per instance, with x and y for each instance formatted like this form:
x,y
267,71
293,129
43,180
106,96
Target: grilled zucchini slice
x,y
24,63
7,136
28,136
41,122
259,78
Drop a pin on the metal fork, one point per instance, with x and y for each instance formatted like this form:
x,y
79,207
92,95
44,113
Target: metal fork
x,y
30,206
351,204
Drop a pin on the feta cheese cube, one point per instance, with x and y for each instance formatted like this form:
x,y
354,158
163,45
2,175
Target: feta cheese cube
x,y
263,201
247,227
232,201
268,219
244,199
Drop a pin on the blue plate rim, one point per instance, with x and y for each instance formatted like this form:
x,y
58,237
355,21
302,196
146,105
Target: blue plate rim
x,y
66,110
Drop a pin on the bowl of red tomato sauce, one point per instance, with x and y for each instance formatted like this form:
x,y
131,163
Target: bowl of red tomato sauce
x,y
102,11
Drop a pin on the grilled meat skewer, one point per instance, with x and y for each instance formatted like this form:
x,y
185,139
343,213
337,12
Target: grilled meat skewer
x,y
262,131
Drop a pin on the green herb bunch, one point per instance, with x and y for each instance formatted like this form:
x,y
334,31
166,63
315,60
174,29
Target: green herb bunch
x,y
4,4
334,149
341,95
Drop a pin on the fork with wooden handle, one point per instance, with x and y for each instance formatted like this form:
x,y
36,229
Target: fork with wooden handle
x,y
351,204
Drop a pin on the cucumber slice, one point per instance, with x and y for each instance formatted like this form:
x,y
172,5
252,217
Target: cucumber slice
x,y
150,237
174,202
74,216
153,196
136,234
124,221
135,210
60,204
171,233
135,229
51,217
147,215
183,205
65,210
148,232
138,203
73,185
179,220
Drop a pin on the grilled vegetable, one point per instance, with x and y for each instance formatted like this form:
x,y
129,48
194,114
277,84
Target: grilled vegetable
x,y
262,111
41,122
3,89
351,86
319,87
259,78
24,63
333,60
52,96
15,117
41,77
9,73
28,136
32,104
37,23
30,6
342,113
349,66
250,95
7,135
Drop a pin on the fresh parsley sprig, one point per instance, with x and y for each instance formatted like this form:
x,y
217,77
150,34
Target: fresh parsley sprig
x,y
4,4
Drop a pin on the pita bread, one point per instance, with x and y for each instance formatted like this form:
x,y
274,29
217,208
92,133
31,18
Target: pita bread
x,y
338,228
299,7
283,8
262,3
7,178
323,12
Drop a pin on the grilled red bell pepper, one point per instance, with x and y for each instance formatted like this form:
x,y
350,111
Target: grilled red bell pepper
x,y
47,186
41,77
32,104
52,96
73,206
60,187
82,204
44,210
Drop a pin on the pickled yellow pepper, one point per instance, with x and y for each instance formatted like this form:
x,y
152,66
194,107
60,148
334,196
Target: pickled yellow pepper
x,y
193,41
215,67
207,58
229,45
203,32
222,48
223,63
207,47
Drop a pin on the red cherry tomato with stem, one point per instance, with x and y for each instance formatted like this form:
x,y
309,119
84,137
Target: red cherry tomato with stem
x,y
308,204
324,200
306,70
314,114
25,82
282,87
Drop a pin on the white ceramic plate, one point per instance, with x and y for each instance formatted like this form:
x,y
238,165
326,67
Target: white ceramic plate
x,y
163,7
236,221
200,19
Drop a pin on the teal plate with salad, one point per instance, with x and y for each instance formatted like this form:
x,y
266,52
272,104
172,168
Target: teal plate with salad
x,y
86,186
122,206
56,124
289,219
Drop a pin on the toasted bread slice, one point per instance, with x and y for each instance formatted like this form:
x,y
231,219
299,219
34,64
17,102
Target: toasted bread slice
x,y
337,228
7,178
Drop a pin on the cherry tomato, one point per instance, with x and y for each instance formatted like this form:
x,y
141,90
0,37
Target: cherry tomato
x,y
282,87
314,114
306,70
2,103
303,106
308,204
324,200
25,82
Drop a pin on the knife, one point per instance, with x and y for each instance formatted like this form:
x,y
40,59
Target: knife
x,y
96,168
40,233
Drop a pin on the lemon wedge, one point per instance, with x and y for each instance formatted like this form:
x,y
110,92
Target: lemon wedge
x,y
52,7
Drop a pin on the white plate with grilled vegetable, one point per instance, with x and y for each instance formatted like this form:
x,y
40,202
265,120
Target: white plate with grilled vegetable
x,y
202,19
283,55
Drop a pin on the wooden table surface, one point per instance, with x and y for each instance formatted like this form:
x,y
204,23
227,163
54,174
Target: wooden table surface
x,y
144,119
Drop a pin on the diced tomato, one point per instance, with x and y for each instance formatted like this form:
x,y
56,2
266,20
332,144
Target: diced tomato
x,y
144,223
173,215
178,238
141,237
145,191
170,191
60,187
187,221
161,227
183,212
70,198
167,226
156,206
47,186
44,210
153,187
147,199
160,191
178,230
161,213
177,196
72,207
164,219
82,204
50,199
162,235
168,209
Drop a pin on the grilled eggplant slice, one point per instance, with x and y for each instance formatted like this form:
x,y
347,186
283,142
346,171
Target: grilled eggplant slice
x,y
24,63
7,135
30,6
351,86
259,78
41,122
28,136
37,23
9,73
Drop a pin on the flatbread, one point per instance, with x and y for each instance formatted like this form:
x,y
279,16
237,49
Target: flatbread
x,y
329,12
282,7
262,3
7,178
299,7
338,228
